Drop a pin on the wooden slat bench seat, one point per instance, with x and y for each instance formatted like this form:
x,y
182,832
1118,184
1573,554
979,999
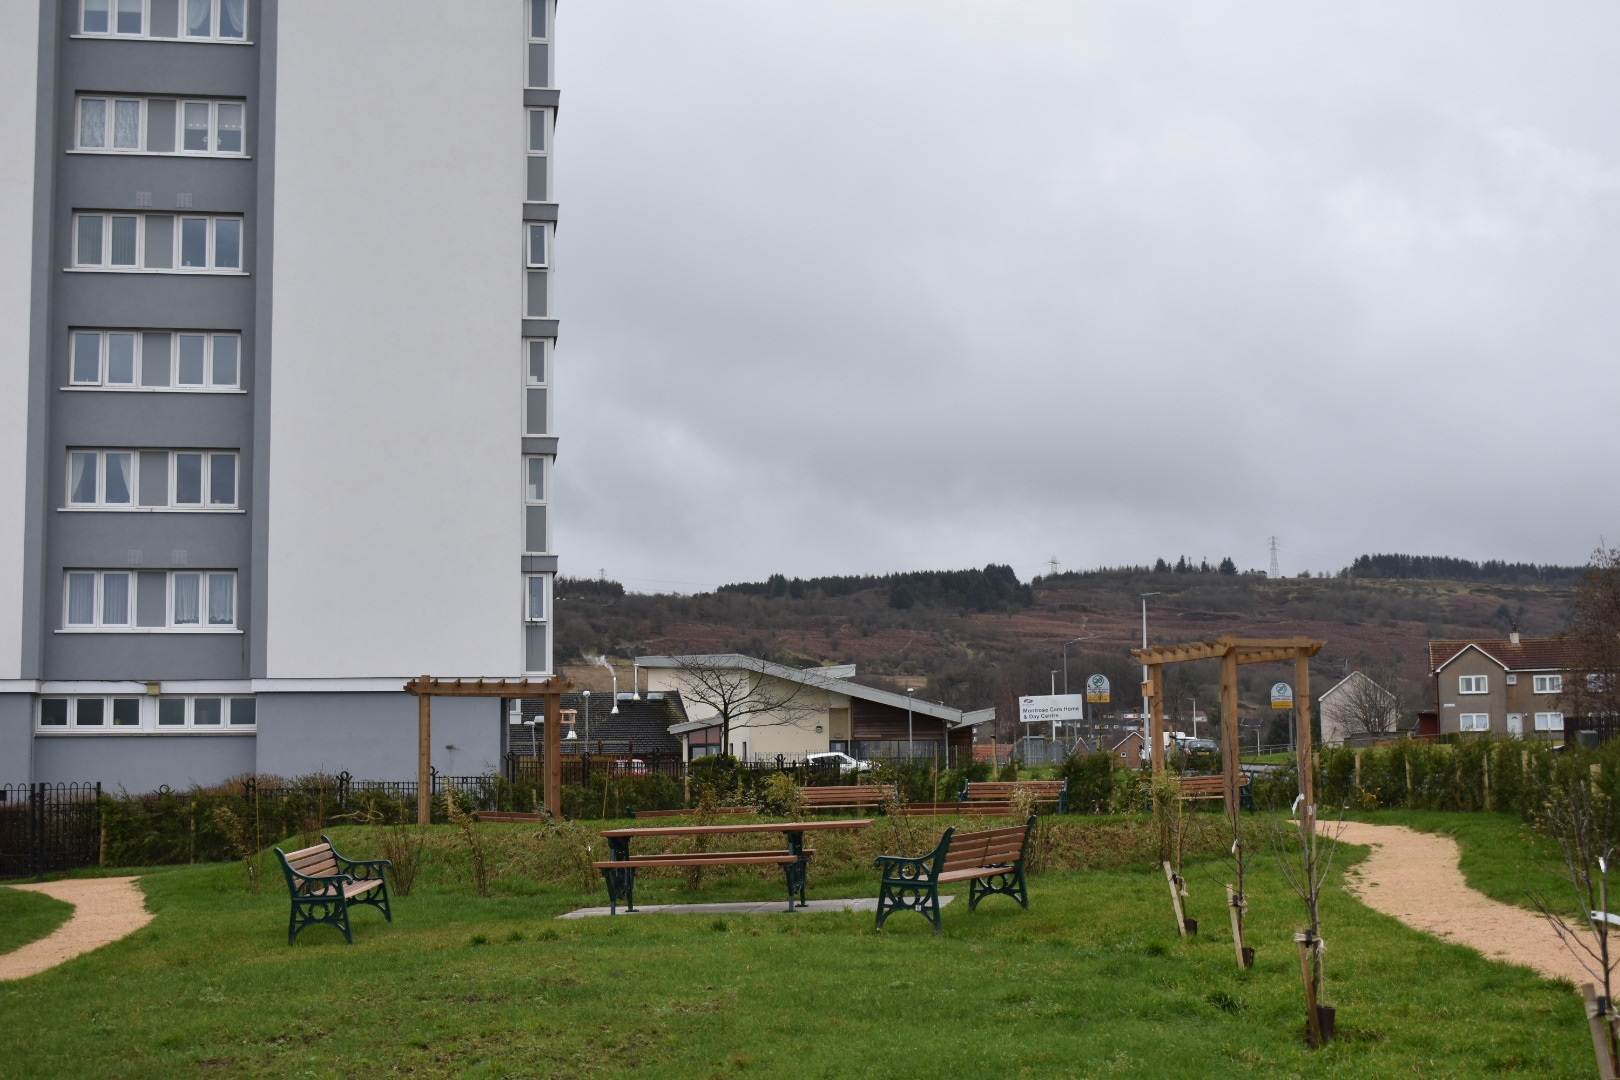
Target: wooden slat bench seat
x,y
990,860
1002,792
507,817
1194,788
956,809
638,814
847,797
323,885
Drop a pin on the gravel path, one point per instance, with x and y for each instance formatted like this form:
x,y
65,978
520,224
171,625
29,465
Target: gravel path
x,y
1415,877
104,910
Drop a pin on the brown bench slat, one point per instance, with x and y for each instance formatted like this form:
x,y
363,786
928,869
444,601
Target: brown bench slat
x,y
693,813
294,856
701,860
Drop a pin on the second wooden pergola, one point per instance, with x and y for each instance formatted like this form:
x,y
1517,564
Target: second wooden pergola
x,y
550,691
1233,653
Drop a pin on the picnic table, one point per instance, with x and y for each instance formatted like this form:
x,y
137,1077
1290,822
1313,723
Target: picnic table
x,y
620,871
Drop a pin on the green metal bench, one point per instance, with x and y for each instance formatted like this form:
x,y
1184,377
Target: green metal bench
x,y
324,885
990,861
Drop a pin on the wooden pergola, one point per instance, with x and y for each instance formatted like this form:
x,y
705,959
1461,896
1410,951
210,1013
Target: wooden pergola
x,y
1233,652
426,688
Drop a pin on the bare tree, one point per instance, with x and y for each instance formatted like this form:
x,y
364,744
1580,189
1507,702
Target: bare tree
x,y
1305,856
1593,686
1582,821
1369,704
741,692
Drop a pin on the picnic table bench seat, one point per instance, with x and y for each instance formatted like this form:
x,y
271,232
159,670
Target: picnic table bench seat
x,y
990,860
847,797
323,885
1002,792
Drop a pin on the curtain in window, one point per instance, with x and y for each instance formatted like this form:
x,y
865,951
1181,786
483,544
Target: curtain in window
x,y
127,125
86,358
221,600
205,711
199,18
121,359
537,598
228,139
95,16
123,241
92,123
120,479
115,600
129,16
233,18
81,600
195,135
82,478
89,240
187,609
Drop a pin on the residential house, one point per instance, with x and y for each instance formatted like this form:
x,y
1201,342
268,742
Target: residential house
x,y
1505,686
1355,706
792,711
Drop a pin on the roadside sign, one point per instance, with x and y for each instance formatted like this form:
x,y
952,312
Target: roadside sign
x,y
1282,696
1050,709
1097,690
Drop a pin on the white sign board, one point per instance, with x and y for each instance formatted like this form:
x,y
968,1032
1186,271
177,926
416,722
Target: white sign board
x,y
1050,709
1097,690
1282,696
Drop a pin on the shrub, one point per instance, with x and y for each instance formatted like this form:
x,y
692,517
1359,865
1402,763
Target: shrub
x,y
402,845
781,797
1091,782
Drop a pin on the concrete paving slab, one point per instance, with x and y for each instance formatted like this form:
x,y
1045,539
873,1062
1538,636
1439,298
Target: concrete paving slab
x,y
751,907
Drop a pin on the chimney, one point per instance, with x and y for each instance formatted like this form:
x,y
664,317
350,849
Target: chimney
x,y
1513,637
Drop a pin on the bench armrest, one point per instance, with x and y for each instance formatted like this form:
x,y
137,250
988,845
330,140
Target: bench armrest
x,y
302,882
349,865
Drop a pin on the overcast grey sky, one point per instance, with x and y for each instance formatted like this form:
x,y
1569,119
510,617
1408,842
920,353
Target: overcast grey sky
x,y
860,286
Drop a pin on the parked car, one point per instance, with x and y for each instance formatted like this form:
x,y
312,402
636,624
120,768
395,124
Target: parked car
x,y
629,767
845,763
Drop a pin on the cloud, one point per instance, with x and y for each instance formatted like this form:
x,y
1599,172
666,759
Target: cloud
x,y
853,287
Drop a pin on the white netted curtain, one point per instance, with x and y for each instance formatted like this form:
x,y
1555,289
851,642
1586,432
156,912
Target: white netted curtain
x,y
233,18
115,600
221,599
123,241
82,477
92,122
200,18
120,479
81,600
228,139
187,601
127,125
195,135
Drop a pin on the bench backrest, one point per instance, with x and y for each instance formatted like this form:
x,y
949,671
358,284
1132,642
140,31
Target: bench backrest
x,y
847,793
1207,784
316,861
988,847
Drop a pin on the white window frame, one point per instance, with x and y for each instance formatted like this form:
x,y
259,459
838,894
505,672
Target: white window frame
x,y
109,107
211,242
204,587
104,357
1550,722
550,9
545,479
1466,682
147,710
106,217
547,358
531,229
214,37
547,121
100,502
211,132
529,617
1547,684
207,486
178,134
103,335
210,340
1470,721
98,618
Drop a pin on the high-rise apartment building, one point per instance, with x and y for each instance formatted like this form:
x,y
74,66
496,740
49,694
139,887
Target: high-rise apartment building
x,y
276,358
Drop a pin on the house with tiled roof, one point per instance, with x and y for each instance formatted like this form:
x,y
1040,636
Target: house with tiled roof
x,y
1502,686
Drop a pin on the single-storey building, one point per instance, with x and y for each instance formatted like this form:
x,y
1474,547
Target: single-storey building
x,y
778,710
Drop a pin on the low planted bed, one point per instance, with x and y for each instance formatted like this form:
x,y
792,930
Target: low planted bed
x,y
1091,980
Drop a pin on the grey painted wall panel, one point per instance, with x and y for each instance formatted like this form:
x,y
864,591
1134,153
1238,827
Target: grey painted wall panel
x,y
536,652
143,657
539,328
540,211
154,479
151,67
534,529
257,495
539,67
159,241
113,182
373,736
141,763
156,359
539,564
151,599
160,121
165,16
536,295
16,738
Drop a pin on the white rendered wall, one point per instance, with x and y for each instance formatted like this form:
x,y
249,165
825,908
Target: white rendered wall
x,y
395,500
19,93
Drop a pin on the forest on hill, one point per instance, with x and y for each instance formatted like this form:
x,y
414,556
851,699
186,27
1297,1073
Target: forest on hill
x,y
978,637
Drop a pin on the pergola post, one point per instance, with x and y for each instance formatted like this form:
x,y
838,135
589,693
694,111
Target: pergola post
x,y
424,757
1302,726
1231,752
553,754
1156,716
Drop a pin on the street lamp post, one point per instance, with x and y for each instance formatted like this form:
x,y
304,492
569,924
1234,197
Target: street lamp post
x,y
1066,645
909,754
1146,733
587,721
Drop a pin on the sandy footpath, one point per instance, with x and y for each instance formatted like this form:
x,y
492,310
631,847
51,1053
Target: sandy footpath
x,y
1415,877
104,910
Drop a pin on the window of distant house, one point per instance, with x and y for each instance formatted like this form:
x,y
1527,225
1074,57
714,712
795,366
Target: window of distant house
x,y
1473,684
1549,721
1549,684
1474,721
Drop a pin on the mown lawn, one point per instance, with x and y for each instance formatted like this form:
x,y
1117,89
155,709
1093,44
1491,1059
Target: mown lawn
x,y
1092,981
28,916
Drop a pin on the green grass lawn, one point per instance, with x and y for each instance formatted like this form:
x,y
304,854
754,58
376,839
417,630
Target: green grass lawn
x,y
1501,855
1281,757
1091,981
28,916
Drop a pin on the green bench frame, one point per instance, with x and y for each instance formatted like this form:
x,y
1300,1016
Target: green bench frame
x,y
324,885
980,858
